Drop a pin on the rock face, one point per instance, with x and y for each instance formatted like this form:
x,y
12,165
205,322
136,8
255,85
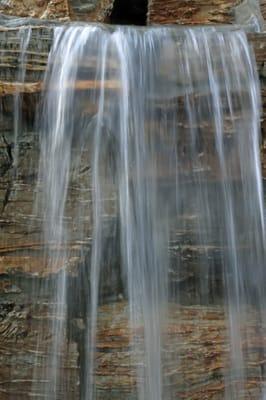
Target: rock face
x,y
205,12
37,55
54,9
202,12
155,11
193,12
25,313
259,44
25,336
89,10
202,353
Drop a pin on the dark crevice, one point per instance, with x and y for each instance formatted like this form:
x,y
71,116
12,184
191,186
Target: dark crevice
x,y
8,150
129,12
6,197
5,166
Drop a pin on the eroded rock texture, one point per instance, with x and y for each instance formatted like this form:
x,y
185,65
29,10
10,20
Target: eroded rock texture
x,y
36,60
89,10
202,12
55,9
131,12
24,308
26,342
195,336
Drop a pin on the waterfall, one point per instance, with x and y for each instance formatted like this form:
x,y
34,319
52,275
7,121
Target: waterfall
x,y
160,128
24,34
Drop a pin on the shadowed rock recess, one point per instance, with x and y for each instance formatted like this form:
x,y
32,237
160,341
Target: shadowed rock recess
x,y
47,326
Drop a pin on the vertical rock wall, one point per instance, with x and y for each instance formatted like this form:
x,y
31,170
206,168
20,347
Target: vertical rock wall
x,y
159,11
23,316
193,12
90,10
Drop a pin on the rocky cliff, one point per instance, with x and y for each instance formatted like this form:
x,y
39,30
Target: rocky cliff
x,y
91,10
25,312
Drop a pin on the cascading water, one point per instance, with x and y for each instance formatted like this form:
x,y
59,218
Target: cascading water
x,y
25,34
160,127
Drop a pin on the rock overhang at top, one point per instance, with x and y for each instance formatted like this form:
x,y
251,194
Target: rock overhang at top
x,y
181,12
63,10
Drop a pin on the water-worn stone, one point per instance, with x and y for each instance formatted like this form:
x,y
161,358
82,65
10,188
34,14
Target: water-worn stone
x,y
36,61
25,345
55,9
159,11
203,12
89,10
21,247
202,352
194,356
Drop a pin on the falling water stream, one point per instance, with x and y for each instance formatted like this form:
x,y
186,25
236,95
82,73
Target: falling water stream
x,y
24,34
161,128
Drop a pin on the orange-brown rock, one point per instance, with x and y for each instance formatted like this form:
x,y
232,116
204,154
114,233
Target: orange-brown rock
x,y
194,356
91,10
41,37
54,9
193,12
202,352
263,8
190,12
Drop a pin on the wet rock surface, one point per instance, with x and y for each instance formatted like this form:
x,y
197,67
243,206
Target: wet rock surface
x,y
22,249
194,356
25,344
36,57
196,335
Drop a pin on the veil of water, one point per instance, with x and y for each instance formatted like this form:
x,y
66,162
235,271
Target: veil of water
x,y
24,34
160,127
